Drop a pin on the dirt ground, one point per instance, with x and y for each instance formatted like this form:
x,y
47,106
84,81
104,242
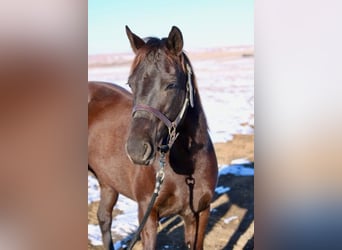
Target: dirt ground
x,y
231,223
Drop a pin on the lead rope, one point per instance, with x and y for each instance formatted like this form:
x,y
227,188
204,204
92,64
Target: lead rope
x,y
159,181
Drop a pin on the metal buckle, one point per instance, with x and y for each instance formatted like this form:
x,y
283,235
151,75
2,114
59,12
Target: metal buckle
x,y
172,134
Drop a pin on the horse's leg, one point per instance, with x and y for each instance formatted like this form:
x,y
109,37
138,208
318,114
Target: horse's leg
x,y
104,215
149,233
194,229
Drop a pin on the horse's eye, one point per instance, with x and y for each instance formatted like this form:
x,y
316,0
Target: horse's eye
x,y
171,86
129,84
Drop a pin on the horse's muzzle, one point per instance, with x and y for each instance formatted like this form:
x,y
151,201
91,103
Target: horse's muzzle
x,y
140,152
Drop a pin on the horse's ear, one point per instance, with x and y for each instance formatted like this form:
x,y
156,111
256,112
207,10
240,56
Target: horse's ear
x,y
135,41
175,41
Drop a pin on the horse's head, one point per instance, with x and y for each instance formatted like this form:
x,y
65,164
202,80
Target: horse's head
x,y
160,80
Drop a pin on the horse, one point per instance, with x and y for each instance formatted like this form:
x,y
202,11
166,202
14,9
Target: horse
x,y
128,133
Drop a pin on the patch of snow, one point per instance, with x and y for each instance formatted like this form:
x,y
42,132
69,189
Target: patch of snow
x,y
93,189
213,210
237,170
119,245
94,234
95,237
240,161
126,223
228,220
222,189
123,224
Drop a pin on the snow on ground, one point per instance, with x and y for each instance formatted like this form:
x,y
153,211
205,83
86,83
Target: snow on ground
x,y
93,189
123,224
237,170
227,92
127,223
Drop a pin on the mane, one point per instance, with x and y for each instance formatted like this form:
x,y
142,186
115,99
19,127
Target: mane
x,y
197,99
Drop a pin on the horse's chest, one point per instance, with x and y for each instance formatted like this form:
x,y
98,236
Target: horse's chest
x,y
170,203
171,198
177,198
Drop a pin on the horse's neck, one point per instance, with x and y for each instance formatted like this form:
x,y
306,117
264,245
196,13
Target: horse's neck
x,y
193,138
194,128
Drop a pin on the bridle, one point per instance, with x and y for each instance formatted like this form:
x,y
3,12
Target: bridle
x,y
171,125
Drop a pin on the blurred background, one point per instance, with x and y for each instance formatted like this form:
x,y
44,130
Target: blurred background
x,y
43,105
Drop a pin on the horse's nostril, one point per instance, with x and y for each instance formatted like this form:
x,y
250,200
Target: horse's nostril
x,y
147,151
139,150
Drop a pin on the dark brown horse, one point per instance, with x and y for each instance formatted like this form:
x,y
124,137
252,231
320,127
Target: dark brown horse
x,y
127,133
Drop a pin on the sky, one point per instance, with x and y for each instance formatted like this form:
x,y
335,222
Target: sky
x,y
203,23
